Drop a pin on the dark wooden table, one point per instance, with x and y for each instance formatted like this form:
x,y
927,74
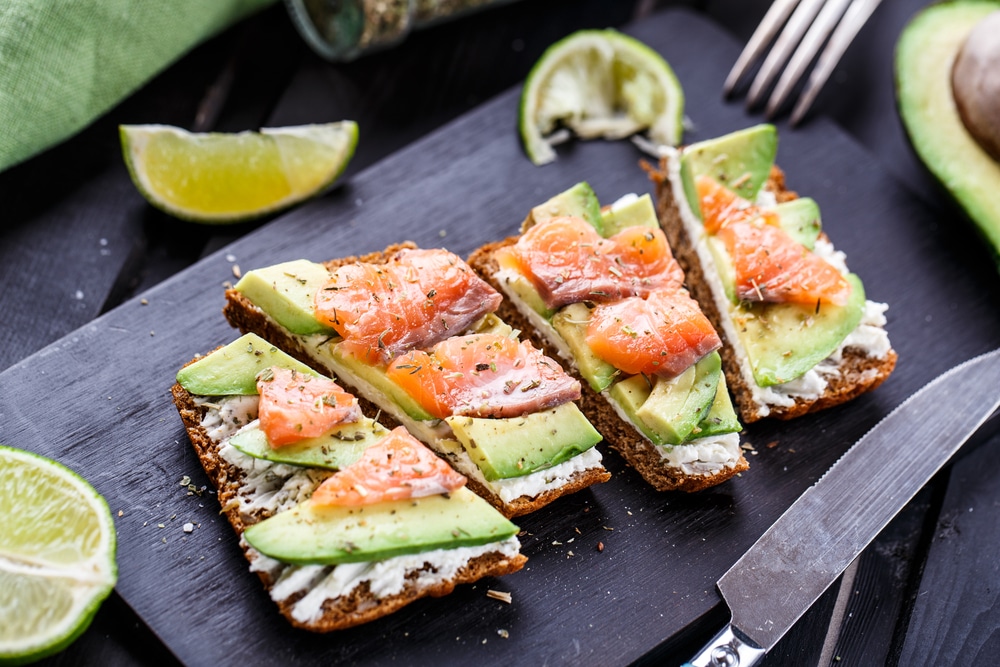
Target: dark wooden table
x,y
78,240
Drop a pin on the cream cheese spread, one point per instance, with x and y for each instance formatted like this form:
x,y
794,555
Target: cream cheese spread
x,y
385,577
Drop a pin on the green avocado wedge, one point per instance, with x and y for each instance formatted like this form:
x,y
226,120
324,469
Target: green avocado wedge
x,y
312,535
517,446
740,161
232,370
332,451
285,292
925,52
784,340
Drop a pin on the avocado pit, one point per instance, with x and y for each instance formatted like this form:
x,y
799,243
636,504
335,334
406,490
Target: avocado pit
x,y
975,83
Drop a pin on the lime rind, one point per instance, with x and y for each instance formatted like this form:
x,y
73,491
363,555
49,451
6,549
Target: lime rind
x,y
72,592
220,178
599,83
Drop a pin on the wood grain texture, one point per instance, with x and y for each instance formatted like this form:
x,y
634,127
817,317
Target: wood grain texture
x,y
653,584
955,619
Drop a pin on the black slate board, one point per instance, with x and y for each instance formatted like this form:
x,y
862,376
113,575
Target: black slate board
x,y
460,187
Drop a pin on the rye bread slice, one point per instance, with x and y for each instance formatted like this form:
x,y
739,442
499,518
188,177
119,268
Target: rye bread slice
x,y
357,606
247,317
638,452
857,374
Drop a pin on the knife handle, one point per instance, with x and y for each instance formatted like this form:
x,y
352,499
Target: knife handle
x,y
729,648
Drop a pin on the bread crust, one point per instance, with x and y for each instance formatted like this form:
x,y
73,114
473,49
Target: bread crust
x,y
245,316
620,435
858,373
359,605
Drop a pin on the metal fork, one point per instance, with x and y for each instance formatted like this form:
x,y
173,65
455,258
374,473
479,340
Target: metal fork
x,y
816,20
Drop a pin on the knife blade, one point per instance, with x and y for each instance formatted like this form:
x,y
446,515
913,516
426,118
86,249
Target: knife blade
x,y
773,584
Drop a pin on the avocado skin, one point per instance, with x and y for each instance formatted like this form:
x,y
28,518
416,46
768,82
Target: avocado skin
x,y
924,56
311,535
232,370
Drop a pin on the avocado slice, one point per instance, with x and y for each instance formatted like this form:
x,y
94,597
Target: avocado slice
x,y
285,292
676,406
312,535
800,218
925,52
784,340
232,370
721,417
579,201
639,212
517,446
376,377
676,410
571,323
333,451
741,161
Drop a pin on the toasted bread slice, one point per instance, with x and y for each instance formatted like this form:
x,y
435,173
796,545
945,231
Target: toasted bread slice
x,y
850,372
251,491
247,317
649,460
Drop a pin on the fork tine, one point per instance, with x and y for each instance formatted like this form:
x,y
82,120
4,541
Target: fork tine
x,y
806,52
769,26
855,17
782,49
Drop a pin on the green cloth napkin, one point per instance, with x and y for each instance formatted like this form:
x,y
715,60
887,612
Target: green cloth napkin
x,y
63,63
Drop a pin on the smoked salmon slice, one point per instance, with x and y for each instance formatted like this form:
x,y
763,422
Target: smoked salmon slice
x,y
294,406
397,467
663,334
769,264
568,261
416,299
483,375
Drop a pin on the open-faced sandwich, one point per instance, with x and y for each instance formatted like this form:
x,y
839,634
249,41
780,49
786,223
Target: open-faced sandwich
x,y
413,332
343,520
601,289
799,334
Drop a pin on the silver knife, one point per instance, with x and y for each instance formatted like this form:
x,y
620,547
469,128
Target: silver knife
x,y
814,541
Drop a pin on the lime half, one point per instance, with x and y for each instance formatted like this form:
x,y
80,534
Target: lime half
x,y
599,84
217,177
57,556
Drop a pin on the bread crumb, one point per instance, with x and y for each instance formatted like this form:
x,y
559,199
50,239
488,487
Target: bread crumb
x,y
236,271
499,595
600,546
503,633
144,302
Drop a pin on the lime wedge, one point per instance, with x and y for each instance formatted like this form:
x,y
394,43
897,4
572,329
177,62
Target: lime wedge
x,y
57,556
599,83
218,178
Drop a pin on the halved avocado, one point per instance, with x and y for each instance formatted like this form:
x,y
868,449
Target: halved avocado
x,y
925,55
